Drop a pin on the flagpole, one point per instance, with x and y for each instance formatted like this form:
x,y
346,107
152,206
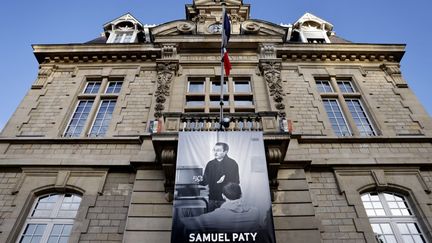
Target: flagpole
x,y
221,115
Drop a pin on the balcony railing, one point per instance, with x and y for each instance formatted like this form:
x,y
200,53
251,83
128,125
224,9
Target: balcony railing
x,y
264,121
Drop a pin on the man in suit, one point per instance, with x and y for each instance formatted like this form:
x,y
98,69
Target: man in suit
x,y
219,172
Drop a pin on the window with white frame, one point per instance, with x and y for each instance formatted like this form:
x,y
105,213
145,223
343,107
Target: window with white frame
x,y
344,107
79,118
51,219
203,94
114,87
123,37
103,118
92,87
336,117
392,219
86,119
324,86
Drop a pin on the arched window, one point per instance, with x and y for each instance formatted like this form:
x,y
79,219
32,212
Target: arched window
x,y
51,219
392,219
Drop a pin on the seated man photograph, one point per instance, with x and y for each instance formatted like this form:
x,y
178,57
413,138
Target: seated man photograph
x,y
232,216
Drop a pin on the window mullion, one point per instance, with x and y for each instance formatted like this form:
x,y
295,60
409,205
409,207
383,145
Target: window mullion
x,y
344,107
47,232
396,232
385,204
57,206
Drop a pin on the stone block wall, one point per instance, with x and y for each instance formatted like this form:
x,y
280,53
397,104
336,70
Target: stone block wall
x,y
150,214
337,218
293,213
107,218
8,181
397,114
300,103
136,105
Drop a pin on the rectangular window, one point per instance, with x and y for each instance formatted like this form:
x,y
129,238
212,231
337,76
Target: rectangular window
x,y
123,37
114,87
384,233
346,87
242,87
345,102
118,38
60,233
216,87
33,233
324,86
203,94
92,87
103,118
243,101
196,87
337,119
79,118
410,232
128,37
195,101
215,101
360,117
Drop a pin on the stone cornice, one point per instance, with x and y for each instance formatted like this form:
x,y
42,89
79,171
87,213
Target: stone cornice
x,y
341,52
76,53
377,139
41,140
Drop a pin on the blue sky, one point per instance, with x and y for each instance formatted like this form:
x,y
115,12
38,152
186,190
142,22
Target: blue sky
x,y
26,22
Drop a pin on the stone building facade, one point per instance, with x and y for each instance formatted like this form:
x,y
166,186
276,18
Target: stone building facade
x,y
348,145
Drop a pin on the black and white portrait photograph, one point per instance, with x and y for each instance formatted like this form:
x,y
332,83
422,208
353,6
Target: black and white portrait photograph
x,y
221,190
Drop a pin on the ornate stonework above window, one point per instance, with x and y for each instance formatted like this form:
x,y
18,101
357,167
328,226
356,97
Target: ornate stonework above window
x,y
166,73
271,71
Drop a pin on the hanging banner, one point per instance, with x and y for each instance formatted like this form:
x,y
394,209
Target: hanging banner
x,y
221,189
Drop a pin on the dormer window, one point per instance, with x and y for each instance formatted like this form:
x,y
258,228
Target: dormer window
x,y
125,29
313,30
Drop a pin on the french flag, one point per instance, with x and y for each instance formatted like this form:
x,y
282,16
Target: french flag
x,y
227,31
225,38
226,61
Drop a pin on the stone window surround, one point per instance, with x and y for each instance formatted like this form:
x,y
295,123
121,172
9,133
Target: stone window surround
x,y
340,96
97,98
209,93
353,182
36,182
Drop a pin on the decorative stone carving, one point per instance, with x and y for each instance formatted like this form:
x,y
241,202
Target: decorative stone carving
x,y
395,72
168,161
185,28
43,75
267,51
166,72
274,159
199,19
249,27
169,51
235,17
272,73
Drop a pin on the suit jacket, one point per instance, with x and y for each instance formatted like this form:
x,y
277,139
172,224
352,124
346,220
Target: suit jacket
x,y
214,171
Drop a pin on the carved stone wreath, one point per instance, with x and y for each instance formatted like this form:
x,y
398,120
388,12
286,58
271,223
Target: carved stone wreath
x,y
165,75
249,27
272,74
186,28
